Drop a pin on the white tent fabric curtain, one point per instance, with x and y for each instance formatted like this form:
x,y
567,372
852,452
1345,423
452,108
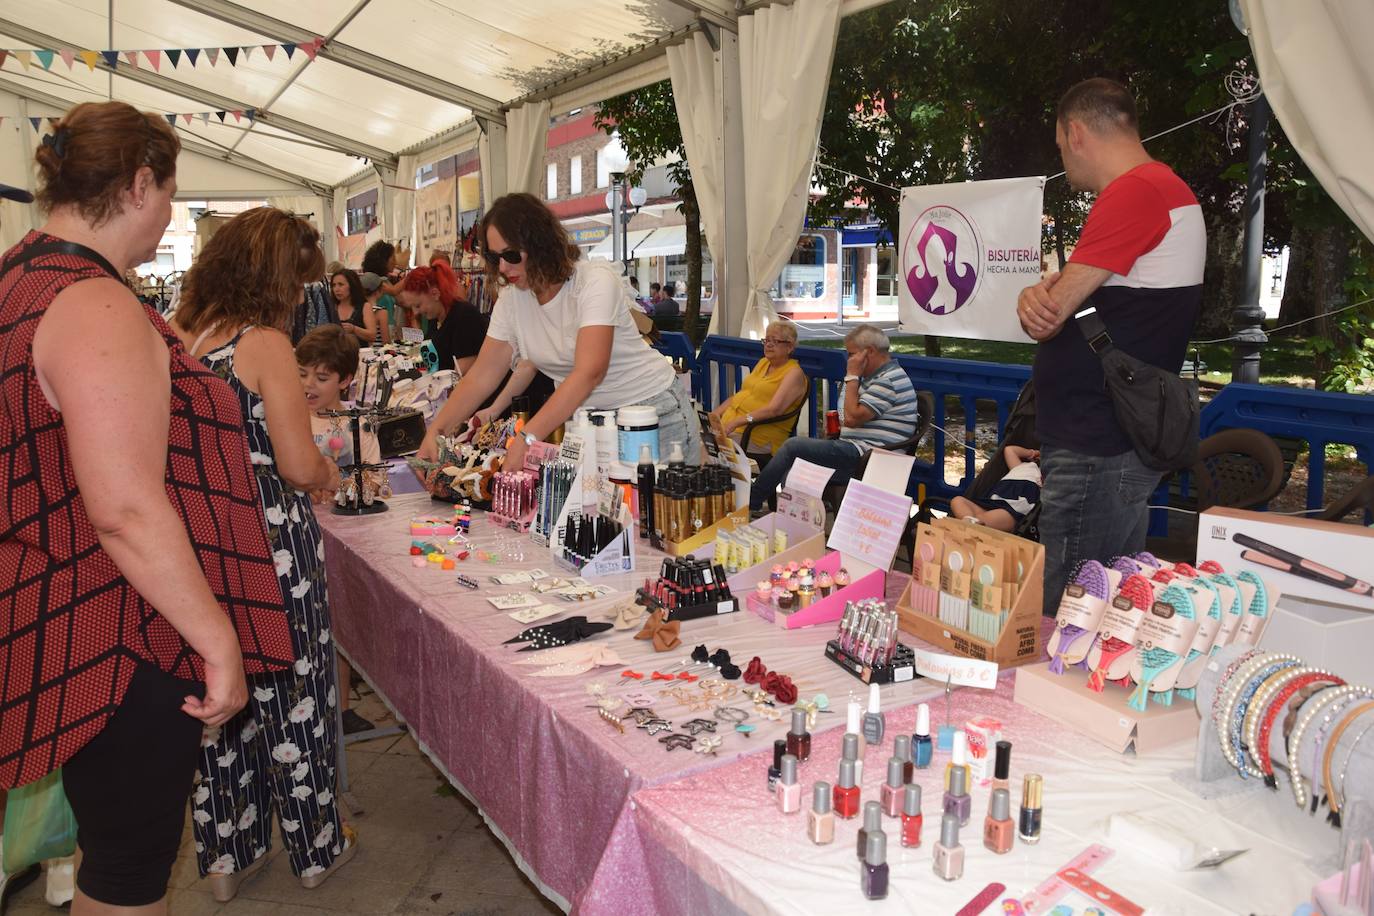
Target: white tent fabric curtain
x,y
785,58
398,222
491,155
1317,71
527,133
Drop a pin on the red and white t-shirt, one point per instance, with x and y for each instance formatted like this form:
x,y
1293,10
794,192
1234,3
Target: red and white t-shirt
x,y
1146,228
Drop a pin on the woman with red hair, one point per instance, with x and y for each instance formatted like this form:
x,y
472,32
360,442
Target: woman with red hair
x,y
456,328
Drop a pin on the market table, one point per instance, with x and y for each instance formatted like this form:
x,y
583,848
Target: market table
x,y
718,843
550,777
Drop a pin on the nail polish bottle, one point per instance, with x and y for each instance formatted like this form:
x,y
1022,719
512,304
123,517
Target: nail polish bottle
x,y
957,800
799,739
779,748
873,823
789,790
922,748
846,794
854,726
949,855
1032,792
851,746
892,789
820,820
901,749
1001,767
958,758
911,815
875,723
997,827
875,867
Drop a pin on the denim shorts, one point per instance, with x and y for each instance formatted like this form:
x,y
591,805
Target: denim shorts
x,y
677,422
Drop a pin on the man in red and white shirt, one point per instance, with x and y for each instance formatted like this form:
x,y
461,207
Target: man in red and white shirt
x,y
1139,262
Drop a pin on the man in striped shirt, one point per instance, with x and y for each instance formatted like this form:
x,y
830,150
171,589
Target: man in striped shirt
x,y
879,409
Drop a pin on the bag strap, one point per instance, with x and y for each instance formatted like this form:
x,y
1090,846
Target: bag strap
x,y
1094,331
60,247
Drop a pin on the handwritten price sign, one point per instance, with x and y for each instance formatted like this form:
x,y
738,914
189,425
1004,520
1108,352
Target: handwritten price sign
x,y
957,670
870,524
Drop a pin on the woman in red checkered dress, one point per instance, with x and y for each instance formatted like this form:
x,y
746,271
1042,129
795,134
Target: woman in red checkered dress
x,y
136,584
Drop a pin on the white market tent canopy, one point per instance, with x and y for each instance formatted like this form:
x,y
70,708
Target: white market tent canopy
x,y
396,84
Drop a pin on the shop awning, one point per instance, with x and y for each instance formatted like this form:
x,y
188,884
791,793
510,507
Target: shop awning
x,y
646,243
864,236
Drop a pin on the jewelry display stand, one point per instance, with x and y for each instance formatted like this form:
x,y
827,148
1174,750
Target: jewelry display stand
x,y
1214,777
356,505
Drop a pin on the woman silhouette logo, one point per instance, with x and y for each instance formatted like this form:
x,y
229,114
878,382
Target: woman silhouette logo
x,y
940,280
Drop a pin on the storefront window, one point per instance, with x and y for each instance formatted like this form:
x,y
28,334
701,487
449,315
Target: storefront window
x,y
803,277
675,272
887,275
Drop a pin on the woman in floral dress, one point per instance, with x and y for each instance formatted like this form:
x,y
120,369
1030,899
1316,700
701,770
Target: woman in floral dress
x,y
280,753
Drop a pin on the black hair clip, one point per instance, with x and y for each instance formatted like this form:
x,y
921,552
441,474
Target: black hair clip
x,y
57,141
561,633
728,670
700,653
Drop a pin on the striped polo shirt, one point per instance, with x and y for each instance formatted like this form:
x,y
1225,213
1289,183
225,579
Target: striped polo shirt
x,y
890,395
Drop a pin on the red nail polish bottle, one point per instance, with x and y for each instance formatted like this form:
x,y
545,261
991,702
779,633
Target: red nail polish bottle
x,y
911,815
846,793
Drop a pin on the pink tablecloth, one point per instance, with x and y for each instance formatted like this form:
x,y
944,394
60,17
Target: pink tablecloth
x,y
716,842
547,773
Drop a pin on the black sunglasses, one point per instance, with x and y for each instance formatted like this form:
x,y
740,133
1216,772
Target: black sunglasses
x,y
510,256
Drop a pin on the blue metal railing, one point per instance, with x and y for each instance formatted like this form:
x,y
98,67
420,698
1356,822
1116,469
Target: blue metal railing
x,y
1317,418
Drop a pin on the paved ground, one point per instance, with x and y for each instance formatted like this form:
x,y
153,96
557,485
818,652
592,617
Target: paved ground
x,y
423,850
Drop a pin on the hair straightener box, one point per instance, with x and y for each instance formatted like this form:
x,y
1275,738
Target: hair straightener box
x,y
1323,570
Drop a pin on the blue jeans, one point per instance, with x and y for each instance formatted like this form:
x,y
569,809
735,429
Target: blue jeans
x,y
838,454
1091,508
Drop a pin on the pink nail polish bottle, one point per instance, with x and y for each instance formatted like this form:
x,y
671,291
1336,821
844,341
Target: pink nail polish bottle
x,y
789,790
892,789
820,820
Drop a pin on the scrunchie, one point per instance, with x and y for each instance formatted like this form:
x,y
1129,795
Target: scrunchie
x,y
57,141
755,671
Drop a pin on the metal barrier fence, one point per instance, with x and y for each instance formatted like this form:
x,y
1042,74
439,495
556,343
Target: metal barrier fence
x,y
1316,418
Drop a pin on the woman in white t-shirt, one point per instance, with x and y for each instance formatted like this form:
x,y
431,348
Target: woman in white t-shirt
x,y
571,319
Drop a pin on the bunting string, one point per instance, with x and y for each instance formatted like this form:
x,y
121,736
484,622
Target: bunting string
x,y
154,58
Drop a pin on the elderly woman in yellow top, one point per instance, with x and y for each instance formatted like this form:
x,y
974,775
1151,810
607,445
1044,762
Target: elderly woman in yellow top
x,y
775,387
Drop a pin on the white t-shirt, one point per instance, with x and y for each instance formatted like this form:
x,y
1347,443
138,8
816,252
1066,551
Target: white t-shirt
x,y
547,334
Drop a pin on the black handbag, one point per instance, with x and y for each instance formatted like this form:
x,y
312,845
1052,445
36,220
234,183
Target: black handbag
x,y
1158,409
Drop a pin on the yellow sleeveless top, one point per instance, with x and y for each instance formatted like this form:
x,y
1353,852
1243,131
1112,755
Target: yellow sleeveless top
x,y
757,393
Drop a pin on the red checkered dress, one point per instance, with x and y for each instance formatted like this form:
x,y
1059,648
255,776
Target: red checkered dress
x,y
72,628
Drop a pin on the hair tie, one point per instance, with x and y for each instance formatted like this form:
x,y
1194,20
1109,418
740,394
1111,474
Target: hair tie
x,y
57,141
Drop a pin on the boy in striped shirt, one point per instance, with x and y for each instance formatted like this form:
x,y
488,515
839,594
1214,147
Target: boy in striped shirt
x,y
878,410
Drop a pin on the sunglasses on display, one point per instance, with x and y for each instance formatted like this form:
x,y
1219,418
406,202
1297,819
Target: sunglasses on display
x,y
510,256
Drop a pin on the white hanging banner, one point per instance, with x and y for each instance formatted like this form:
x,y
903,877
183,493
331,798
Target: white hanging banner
x,y
967,251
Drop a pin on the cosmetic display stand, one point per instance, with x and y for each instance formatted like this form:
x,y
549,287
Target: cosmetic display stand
x,y
1103,717
903,667
830,608
707,536
616,557
1019,642
804,541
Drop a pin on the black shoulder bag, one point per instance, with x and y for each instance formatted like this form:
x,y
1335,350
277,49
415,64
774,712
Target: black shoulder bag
x,y
1158,409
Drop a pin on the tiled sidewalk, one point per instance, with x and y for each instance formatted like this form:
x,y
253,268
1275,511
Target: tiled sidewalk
x,y
423,849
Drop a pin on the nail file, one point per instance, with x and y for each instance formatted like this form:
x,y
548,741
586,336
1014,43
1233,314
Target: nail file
x,y
986,897
1055,888
1100,893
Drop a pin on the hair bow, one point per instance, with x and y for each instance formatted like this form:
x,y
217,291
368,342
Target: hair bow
x,y
662,631
627,615
562,633
57,141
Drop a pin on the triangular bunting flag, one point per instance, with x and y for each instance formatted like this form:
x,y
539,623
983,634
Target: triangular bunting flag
x,y
251,114
23,57
91,58
192,54
233,55
171,119
213,54
154,58
36,122
238,116
247,52
174,56
220,115
187,118
270,51
289,49
45,58
311,48
132,58
111,58
68,57
205,117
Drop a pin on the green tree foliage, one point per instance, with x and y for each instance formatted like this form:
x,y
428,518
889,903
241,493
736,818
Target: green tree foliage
x,y
646,122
